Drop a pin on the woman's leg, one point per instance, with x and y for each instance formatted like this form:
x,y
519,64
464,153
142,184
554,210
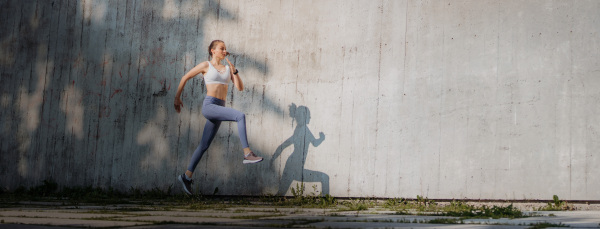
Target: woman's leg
x,y
221,113
210,130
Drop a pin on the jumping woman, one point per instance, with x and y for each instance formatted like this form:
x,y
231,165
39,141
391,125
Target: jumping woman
x,y
216,78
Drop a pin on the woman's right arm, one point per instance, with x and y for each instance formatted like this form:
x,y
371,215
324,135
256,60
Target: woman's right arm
x,y
200,68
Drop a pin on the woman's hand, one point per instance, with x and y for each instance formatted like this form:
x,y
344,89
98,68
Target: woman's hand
x,y
178,104
235,77
230,64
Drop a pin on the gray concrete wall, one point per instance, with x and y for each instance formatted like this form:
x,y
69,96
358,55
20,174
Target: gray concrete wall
x,y
443,99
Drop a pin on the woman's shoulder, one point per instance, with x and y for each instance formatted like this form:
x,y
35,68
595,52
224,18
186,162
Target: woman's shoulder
x,y
204,64
202,67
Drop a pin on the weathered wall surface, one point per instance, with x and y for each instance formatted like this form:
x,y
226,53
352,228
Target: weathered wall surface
x,y
443,99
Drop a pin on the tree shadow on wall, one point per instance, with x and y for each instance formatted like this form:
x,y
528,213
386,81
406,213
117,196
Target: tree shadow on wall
x,y
90,83
294,166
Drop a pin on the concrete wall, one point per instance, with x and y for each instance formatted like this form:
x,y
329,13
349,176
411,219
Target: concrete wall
x,y
443,99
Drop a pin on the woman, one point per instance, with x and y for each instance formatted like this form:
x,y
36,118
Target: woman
x,y
216,78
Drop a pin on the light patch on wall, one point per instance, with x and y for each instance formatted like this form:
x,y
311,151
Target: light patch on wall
x,y
73,108
34,22
30,103
196,123
24,143
190,8
94,10
170,9
189,58
153,135
6,56
106,64
143,62
5,100
23,168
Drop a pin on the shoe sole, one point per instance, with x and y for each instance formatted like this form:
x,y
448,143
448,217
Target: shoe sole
x,y
183,184
251,161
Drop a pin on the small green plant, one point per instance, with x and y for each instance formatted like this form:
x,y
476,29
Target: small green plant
x,y
328,200
298,192
392,203
458,208
309,200
420,200
556,205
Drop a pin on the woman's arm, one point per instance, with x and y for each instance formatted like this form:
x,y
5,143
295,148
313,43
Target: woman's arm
x,y
200,68
237,81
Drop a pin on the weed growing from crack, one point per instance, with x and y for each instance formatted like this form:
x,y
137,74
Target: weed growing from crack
x,y
556,205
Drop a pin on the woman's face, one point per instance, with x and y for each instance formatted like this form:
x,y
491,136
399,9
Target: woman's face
x,y
220,51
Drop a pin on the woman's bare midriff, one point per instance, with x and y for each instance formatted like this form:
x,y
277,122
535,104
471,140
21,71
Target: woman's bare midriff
x,y
218,91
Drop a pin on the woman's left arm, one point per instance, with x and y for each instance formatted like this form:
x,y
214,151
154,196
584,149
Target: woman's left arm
x,y
237,81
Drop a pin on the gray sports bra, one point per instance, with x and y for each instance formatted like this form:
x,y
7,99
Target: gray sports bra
x,y
213,75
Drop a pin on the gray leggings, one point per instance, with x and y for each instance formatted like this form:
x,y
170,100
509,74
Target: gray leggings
x,y
214,111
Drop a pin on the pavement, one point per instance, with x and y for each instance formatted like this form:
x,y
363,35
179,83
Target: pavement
x,y
54,215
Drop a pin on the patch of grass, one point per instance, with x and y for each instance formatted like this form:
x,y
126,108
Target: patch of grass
x,y
357,205
106,218
458,208
166,200
302,198
446,221
420,204
494,212
546,225
254,216
239,211
47,188
50,191
423,206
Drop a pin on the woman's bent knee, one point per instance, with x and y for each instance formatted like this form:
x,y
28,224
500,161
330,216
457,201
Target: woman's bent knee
x,y
240,117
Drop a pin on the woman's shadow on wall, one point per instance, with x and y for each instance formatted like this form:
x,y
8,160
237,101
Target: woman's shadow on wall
x,y
294,166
